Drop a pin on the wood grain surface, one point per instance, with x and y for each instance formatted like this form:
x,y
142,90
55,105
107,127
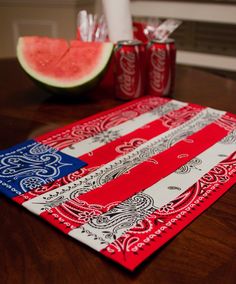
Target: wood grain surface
x,y
31,251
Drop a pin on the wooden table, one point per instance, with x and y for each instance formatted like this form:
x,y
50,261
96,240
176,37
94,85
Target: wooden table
x,y
33,252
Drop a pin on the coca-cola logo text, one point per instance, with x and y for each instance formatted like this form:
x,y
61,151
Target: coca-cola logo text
x,y
158,61
127,77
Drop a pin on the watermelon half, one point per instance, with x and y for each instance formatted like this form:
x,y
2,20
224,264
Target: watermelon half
x,y
63,66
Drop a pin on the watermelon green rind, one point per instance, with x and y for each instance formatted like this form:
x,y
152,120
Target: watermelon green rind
x,y
71,91
76,85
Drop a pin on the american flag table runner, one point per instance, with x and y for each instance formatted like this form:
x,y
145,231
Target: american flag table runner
x,y
127,180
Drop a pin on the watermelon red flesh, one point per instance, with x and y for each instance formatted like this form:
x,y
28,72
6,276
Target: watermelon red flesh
x,y
57,63
78,61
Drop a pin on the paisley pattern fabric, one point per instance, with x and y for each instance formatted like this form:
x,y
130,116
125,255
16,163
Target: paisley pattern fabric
x,y
150,167
30,165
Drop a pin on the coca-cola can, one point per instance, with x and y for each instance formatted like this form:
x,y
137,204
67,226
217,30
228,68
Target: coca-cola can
x,y
161,61
129,69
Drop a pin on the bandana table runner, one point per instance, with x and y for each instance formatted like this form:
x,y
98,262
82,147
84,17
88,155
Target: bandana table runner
x,y
150,167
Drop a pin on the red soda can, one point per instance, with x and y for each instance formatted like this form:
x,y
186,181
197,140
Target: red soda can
x,y
161,57
129,71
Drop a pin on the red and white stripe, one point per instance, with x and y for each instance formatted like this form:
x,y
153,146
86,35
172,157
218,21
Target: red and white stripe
x,y
154,140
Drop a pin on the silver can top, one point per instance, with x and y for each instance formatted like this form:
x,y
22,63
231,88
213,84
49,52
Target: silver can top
x,y
167,41
129,42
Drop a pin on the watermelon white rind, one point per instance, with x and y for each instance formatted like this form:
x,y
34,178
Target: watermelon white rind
x,y
61,66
